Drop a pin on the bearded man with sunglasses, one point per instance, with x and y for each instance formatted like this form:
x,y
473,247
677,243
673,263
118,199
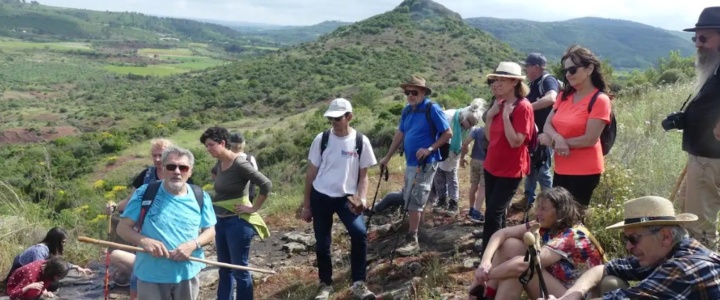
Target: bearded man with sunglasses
x,y
420,119
700,123
172,229
667,263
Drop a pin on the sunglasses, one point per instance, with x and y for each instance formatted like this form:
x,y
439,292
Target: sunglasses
x,y
335,119
172,167
703,39
408,93
635,239
572,70
491,81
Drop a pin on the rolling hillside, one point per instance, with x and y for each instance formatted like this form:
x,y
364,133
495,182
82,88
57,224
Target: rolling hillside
x,y
283,36
626,44
33,21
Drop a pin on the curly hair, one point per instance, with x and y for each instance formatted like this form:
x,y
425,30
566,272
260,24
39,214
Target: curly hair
x,y
217,134
582,57
567,210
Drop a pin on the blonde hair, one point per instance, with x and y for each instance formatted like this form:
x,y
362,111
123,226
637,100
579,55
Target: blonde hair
x,y
160,143
237,147
521,89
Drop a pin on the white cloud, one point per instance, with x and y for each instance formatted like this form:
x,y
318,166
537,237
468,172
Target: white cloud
x,y
668,15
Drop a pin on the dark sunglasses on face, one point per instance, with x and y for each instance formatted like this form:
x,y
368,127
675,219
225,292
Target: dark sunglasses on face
x,y
408,92
172,167
572,70
703,39
491,81
335,119
635,239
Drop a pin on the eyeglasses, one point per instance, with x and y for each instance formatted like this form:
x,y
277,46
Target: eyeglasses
x,y
703,39
408,92
572,70
635,239
172,167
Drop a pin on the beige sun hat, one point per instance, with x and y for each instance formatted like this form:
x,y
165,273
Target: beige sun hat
x,y
508,69
650,211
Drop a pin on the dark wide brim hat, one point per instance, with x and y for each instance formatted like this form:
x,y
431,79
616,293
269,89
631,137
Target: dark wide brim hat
x,y
709,19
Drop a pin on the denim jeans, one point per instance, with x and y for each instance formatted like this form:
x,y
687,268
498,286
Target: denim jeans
x,y
232,240
323,207
540,175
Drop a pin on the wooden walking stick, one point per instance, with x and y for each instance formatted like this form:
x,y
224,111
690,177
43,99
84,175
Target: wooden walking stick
x,y
678,183
107,256
205,261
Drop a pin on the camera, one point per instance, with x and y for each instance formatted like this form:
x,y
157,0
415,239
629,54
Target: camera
x,y
675,120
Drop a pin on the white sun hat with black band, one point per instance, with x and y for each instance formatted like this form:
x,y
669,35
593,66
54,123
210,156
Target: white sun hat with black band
x,y
507,69
652,211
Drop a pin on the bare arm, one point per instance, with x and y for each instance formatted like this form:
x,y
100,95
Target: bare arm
x,y
122,204
397,138
587,281
592,134
466,146
309,178
363,184
444,138
546,101
549,129
500,236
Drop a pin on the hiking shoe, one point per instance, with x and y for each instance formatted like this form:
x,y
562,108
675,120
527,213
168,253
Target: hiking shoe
x,y
410,246
440,205
476,216
452,209
324,292
361,292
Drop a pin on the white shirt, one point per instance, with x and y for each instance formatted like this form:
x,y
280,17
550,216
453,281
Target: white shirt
x,y
339,166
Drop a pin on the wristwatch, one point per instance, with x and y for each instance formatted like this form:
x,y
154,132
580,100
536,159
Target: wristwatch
x,y
431,149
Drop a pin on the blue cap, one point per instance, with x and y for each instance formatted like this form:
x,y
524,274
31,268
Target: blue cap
x,y
535,59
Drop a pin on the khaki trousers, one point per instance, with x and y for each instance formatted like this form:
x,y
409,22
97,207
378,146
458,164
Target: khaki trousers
x,y
700,195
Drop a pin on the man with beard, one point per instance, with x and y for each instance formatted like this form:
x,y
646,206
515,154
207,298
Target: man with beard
x,y
32,280
171,227
700,123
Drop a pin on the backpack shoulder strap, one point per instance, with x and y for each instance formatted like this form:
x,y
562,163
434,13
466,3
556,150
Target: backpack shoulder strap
x,y
324,141
249,159
199,196
592,101
358,143
148,198
540,85
149,175
594,241
428,109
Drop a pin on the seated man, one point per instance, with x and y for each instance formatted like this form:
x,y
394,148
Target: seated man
x,y
567,251
668,264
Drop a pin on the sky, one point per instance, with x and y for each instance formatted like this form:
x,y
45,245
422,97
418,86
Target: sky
x,y
665,14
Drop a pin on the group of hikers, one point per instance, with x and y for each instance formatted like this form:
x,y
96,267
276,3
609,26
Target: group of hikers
x,y
526,129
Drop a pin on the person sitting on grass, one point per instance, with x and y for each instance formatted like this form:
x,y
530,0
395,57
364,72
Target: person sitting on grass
x,y
567,251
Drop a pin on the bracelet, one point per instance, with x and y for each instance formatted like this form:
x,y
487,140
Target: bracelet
x,y
197,244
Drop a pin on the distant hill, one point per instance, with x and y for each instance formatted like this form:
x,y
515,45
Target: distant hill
x,y
626,44
289,35
33,21
417,37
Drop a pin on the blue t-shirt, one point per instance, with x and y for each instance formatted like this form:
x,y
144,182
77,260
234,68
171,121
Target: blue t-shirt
x,y
549,84
172,220
414,125
478,134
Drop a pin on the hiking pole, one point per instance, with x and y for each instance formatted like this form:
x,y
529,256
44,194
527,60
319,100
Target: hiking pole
x,y
107,256
418,170
383,171
529,239
678,183
205,261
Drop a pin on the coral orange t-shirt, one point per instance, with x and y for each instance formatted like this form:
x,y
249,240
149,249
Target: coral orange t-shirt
x,y
501,159
570,120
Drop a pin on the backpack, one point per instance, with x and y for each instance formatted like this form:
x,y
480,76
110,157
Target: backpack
x,y
149,175
536,152
251,187
358,145
542,80
148,198
444,149
607,136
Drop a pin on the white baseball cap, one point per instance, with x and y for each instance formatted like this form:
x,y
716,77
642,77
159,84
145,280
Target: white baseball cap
x,y
338,108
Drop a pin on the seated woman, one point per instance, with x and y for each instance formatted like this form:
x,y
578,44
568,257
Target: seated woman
x,y
52,245
567,251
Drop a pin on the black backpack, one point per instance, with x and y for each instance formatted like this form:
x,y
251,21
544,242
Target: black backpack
x,y
149,197
444,149
607,137
326,137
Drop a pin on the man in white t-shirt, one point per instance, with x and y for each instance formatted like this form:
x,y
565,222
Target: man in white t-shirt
x,y
338,171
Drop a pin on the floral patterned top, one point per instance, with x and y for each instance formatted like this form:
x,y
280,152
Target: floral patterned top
x,y
577,250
